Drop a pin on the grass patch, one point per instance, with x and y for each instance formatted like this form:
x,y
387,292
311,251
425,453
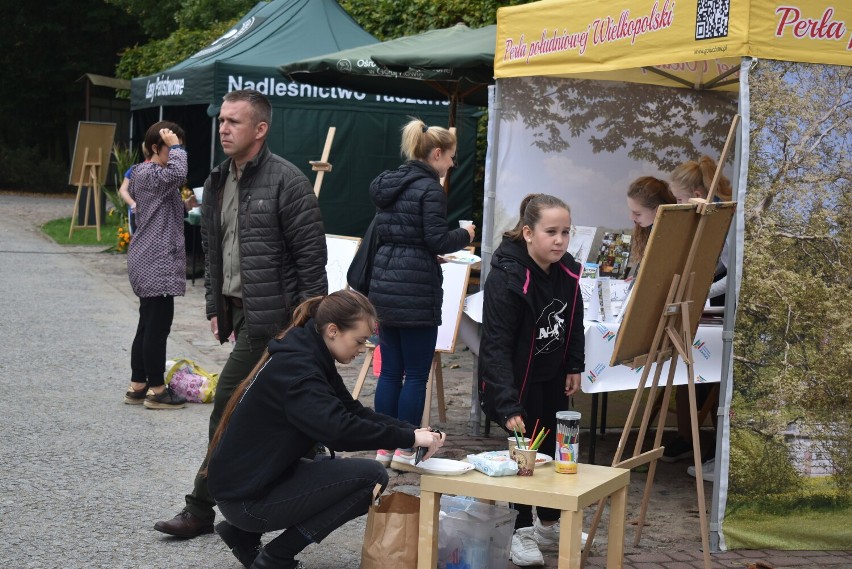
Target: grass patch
x,y
58,231
798,529
817,517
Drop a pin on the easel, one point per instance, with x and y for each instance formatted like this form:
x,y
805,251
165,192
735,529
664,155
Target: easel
x,y
323,165
85,171
678,316
91,174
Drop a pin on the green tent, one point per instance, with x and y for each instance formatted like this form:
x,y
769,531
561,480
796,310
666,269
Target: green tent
x,y
452,63
368,126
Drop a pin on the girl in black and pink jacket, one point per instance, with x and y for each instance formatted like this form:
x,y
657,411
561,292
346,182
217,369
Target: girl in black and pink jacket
x,y
532,348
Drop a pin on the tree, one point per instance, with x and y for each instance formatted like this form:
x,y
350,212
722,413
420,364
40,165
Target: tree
x,y
390,19
793,350
46,48
617,115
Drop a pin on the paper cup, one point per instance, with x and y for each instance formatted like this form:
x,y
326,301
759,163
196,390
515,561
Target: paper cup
x,y
198,193
513,444
567,441
526,461
465,222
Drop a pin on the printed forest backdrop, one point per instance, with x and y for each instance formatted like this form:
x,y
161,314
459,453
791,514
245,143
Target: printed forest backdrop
x,y
791,466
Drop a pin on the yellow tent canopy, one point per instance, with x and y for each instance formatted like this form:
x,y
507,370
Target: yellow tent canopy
x,y
662,42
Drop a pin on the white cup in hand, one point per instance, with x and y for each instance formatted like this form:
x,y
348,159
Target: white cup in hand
x,y
465,222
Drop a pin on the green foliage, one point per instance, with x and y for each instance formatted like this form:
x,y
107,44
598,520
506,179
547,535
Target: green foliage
x,y
793,347
162,19
390,19
26,168
205,14
161,54
47,48
124,158
760,466
58,231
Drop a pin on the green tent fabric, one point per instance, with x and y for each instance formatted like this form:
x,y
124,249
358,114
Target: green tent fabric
x,y
368,125
455,62
270,34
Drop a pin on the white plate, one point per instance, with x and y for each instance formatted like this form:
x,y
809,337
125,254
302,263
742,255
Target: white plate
x,y
462,258
444,466
540,457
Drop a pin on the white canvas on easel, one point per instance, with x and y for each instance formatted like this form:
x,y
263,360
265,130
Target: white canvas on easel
x,y
456,277
341,251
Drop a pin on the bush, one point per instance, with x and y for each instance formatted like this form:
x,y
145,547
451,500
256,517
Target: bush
x,y
24,168
761,466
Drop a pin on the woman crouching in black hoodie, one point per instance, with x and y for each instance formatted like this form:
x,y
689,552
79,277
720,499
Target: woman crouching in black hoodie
x,y
293,400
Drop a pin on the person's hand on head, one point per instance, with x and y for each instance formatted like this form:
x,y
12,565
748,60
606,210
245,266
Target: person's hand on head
x,y
169,137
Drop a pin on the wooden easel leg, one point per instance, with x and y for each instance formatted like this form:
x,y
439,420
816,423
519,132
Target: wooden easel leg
x,y
631,415
696,445
436,380
362,375
652,468
439,387
76,209
97,198
427,404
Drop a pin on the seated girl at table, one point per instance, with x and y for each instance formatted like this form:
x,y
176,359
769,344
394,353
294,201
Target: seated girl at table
x,y
644,196
293,400
692,179
532,347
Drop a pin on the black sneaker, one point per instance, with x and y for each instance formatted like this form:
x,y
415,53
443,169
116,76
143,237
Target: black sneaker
x,y
165,400
244,545
133,397
677,450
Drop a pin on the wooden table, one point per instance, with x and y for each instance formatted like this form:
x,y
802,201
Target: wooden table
x,y
567,492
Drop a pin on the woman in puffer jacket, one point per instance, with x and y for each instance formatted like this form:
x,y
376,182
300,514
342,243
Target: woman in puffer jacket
x,y
405,286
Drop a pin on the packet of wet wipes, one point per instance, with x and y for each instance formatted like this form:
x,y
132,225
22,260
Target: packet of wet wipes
x,y
493,463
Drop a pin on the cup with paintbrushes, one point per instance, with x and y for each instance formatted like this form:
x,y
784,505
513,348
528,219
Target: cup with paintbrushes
x,y
515,442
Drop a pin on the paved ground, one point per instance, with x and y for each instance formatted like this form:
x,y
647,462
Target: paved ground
x,y
83,477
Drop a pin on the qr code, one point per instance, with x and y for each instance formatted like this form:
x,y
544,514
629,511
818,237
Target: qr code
x,y
711,19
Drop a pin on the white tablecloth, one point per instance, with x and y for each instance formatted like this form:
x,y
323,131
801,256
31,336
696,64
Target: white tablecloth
x,y
599,377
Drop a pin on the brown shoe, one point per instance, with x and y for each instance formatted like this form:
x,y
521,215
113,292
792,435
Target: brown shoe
x,y
185,525
133,397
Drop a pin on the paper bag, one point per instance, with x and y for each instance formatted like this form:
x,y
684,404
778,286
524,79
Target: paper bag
x,y
390,539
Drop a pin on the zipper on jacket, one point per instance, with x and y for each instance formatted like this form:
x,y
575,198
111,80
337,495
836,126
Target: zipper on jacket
x,y
248,213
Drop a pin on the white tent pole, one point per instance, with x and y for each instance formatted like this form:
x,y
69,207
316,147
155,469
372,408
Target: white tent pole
x,y
494,111
739,182
212,141
130,142
161,113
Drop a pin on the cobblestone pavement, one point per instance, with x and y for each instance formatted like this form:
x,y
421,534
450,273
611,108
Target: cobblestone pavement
x,y
83,477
